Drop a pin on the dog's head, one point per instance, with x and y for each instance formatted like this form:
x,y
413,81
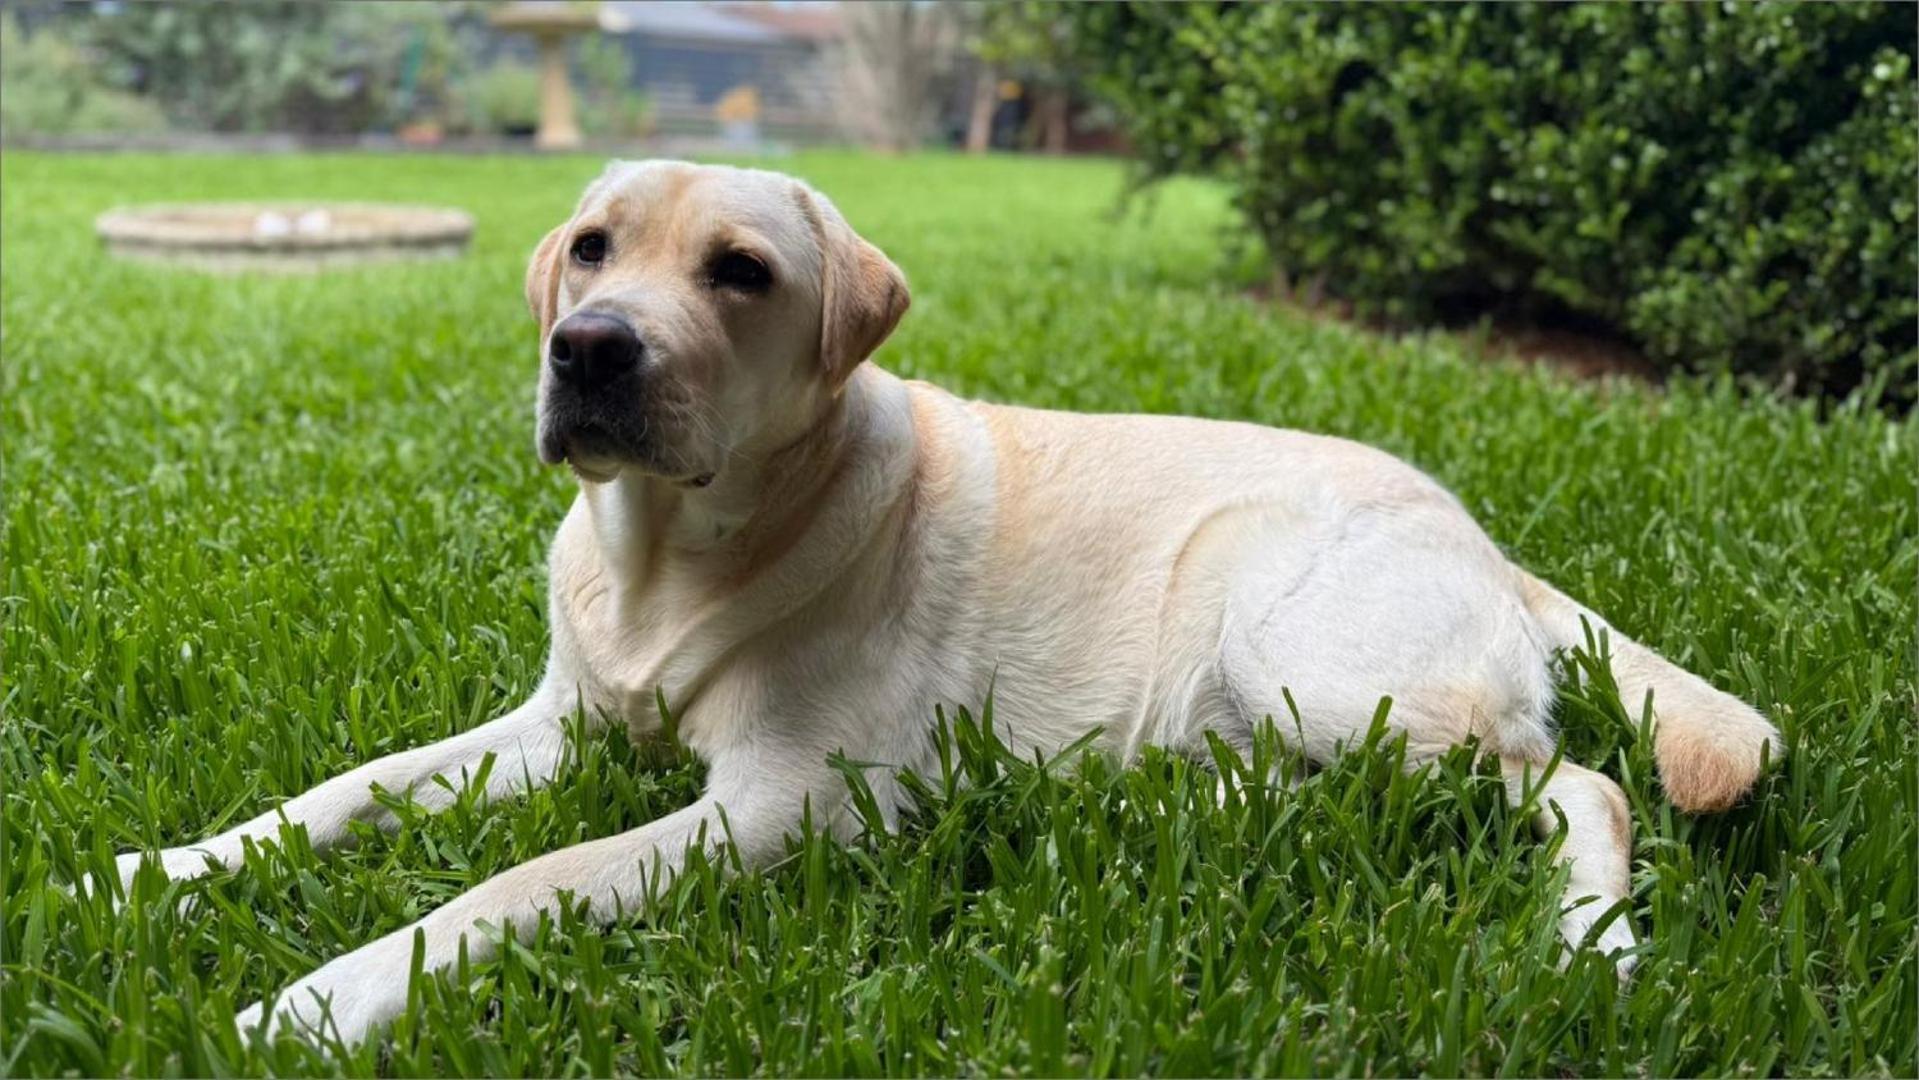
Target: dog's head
x,y
691,313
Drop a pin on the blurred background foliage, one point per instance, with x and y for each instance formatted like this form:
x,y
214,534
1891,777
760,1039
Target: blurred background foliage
x,y
610,107
1728,186
52,87
1704,188
276,66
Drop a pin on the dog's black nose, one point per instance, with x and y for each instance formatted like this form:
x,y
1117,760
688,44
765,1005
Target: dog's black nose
x,y
590,350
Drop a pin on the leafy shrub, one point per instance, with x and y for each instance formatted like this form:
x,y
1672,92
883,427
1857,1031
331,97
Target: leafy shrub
x,y
274,65
609,105
1731,186
503,99
47,87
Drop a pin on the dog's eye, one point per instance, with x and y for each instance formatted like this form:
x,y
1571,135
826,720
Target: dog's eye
x,y
589,248
738,270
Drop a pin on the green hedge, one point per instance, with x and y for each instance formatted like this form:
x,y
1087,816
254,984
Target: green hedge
x,y
1732,187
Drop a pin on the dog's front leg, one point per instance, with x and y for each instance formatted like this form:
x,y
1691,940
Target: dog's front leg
x,y
351,996
527,744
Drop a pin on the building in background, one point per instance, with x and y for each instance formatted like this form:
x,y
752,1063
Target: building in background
x,y
701,64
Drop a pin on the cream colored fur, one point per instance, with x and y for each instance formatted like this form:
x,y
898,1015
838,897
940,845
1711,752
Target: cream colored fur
x,y
868,548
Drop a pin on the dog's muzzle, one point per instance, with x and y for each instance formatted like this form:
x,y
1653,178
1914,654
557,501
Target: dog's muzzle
x,y
588,350
594,404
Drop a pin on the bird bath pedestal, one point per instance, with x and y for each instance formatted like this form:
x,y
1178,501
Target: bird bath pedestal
x,y
550,24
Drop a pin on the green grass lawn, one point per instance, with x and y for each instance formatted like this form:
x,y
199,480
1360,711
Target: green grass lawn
x,y
261,529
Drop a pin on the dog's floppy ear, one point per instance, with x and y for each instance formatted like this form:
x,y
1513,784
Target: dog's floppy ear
x,y
862,294
543,279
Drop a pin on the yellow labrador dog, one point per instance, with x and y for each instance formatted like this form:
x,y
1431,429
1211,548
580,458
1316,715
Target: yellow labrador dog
x,y
804,554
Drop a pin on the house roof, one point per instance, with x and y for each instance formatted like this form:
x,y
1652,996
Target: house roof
x,y
809,20
682,20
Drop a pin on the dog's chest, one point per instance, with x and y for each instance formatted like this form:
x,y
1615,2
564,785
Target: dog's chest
x,y
622,640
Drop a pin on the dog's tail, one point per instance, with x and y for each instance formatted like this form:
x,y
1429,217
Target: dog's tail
x,y
1710,746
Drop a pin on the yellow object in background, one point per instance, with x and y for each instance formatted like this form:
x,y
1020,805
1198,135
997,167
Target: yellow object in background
x,y
742,103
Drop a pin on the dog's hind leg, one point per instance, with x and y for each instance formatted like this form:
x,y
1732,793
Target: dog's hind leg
x,y
1597,849
1418,607
527,745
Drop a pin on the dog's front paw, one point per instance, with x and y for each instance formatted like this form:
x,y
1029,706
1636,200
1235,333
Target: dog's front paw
x,y
318,1016
248,1019
348,1000
303,1015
